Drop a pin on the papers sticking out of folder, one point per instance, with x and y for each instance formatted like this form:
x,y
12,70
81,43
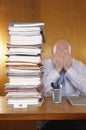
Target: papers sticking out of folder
x,y
77,100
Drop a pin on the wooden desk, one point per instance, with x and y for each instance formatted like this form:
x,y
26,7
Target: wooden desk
x,y
48,111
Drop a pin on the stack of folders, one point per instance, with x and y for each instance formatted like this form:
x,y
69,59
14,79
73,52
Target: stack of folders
x,y
24,64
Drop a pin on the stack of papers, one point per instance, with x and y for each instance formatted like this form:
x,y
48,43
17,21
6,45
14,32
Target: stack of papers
x,y
24,64
23,99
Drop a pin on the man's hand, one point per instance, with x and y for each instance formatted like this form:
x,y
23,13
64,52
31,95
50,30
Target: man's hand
x,y
62,56
67,60
58,61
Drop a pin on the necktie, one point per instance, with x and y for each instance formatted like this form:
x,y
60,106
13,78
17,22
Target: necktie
x,y
61,81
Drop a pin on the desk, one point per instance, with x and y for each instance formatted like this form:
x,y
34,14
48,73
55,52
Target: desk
x,y
47,111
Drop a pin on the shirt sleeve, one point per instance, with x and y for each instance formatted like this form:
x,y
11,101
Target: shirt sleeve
x,y
49,75
77,76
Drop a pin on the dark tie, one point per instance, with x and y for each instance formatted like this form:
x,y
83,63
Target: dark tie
x,y
61,81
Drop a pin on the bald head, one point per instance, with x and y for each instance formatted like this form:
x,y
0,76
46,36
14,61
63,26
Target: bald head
x,y
61,45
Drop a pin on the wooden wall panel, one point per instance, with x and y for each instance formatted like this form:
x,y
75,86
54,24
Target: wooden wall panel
x,y
64,19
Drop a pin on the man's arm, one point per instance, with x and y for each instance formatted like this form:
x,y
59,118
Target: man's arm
x,y
76,74
50,75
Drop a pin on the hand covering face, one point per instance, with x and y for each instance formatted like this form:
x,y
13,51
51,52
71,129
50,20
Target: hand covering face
x,y
62,56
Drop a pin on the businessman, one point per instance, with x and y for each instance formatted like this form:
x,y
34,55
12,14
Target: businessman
x,y
63,69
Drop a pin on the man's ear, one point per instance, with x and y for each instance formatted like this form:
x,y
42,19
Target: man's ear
x,y
54,50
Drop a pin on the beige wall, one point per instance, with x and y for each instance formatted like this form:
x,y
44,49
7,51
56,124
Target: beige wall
x,y
64,19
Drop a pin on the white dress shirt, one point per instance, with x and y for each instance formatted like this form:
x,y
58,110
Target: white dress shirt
x,y
75,78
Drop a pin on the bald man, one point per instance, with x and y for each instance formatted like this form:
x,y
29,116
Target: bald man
x,y
63,69
62,64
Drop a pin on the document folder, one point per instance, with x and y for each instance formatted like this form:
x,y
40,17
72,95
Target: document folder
x,y
77,100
